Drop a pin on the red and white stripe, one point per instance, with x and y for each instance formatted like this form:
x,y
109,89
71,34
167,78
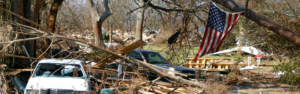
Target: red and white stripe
x,y
213,39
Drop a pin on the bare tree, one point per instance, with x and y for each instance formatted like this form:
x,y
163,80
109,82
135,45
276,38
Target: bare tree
x,y
139,21
98,21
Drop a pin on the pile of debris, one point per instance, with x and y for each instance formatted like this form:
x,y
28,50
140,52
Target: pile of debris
x,y
98,74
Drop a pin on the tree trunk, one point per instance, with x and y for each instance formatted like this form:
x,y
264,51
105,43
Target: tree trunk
x,y
23,8
139,21
17,8
262,20
111,33
36,11
56,5
97,21
30,45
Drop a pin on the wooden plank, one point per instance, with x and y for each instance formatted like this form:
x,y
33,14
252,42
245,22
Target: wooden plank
x,y
122,51
140,76
145,92
131,47
172,89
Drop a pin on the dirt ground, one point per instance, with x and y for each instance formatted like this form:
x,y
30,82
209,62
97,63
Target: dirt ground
x,y
262,87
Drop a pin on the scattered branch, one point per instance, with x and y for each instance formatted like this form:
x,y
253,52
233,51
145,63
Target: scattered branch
x,y
20,40
27,20
169,9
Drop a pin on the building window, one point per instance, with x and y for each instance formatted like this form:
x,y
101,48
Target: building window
x,y
216,67
222,67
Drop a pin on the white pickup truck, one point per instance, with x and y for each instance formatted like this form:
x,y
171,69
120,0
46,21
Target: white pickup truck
x,y
52,76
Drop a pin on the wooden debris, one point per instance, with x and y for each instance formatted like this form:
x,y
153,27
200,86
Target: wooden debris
x,y
162,68
122,51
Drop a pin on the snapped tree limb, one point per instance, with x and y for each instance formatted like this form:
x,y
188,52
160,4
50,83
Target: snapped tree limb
x,y
262,20
27,20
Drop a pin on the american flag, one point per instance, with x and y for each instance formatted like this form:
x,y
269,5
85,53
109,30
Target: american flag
x,y
219,24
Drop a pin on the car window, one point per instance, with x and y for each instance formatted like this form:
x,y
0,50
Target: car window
x,y
154,58
135,55
58,70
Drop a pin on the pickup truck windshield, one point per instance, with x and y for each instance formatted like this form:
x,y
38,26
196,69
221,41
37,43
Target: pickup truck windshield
x,y
58,70
154,58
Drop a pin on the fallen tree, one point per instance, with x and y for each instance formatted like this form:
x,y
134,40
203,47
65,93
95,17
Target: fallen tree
x,y
262,20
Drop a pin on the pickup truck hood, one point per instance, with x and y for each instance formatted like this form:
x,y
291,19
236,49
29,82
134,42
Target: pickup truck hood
x,y
75,84
177,68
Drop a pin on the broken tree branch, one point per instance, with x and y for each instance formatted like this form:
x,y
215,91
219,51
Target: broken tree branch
x,y
138,8
163,68
153,83
27,20
20,17
23,26
169,9
19,40
6,47
262,20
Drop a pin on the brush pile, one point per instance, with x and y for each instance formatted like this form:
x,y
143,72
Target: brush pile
x,y
131,82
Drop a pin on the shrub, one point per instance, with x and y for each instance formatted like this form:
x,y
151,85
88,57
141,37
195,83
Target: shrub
x,y
291,72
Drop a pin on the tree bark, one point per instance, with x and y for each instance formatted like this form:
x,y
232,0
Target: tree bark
x,y
56,5
29,45
111,33
23,8
262,20
139,21
36,11
97,21
17,8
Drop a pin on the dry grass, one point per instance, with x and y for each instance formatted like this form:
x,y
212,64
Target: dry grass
x,y
216,88
134,87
